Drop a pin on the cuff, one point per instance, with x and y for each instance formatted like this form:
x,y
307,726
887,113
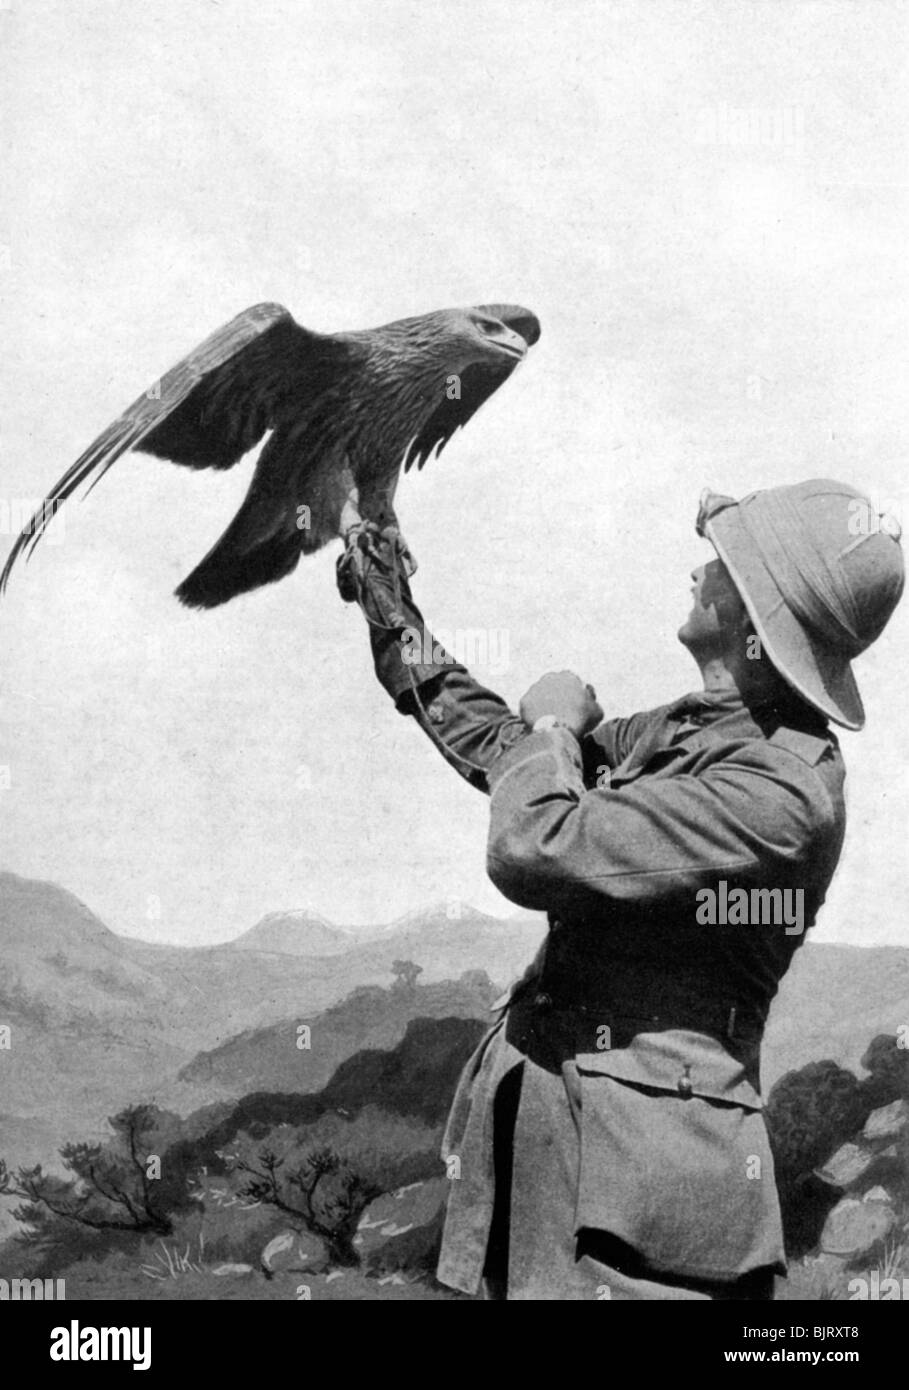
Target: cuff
x,y
559,745
407,657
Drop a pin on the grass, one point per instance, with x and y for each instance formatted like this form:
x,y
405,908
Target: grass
x,y
108,1280
170,1264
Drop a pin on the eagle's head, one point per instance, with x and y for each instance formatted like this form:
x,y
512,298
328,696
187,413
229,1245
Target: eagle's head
x,y
496,334
494,337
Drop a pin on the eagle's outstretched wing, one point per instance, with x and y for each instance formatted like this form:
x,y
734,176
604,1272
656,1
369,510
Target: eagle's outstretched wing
x,y
207,411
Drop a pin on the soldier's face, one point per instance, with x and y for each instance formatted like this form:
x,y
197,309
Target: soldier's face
x,y
716,614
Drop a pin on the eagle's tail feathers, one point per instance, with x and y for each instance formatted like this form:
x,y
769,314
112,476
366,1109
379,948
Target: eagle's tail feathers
x,y
226,572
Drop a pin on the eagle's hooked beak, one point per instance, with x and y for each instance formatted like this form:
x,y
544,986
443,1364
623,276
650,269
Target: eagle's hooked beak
x,y
510,342
500,336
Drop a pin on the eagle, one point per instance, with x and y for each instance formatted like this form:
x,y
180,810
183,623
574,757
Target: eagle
x,y
343,412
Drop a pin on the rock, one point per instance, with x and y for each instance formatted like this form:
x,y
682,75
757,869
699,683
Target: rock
x,y
886,1123
402,1230
396,1213
279,1245
293,1251
846,1166
222,1271
853,1228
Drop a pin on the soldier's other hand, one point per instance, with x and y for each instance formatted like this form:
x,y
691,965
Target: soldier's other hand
x,y
564,696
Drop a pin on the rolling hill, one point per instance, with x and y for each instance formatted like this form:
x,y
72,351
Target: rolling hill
x,y
370,1017
98,1020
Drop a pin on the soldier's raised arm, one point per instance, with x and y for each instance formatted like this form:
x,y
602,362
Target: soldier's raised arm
x,y
469,724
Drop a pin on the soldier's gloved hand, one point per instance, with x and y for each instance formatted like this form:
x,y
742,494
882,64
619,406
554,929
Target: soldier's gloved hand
x,y
366,544
563,696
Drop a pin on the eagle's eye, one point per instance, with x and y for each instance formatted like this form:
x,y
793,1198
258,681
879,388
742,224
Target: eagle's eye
x,y
488,325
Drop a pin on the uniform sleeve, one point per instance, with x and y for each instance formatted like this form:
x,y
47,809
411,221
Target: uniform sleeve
x,y
549,836
610,743
469,725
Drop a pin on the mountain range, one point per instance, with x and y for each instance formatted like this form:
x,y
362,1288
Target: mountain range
x,y
98,1020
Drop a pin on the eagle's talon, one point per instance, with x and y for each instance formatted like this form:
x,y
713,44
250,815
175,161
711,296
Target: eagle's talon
x,y
353,565
361,546
366,540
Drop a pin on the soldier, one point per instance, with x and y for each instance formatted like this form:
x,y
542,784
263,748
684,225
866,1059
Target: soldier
x,y
609,1128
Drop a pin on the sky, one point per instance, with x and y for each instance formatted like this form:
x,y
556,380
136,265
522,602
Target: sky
x,y
706,206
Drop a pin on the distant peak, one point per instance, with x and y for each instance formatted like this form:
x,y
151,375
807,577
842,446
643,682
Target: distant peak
x,y
298,932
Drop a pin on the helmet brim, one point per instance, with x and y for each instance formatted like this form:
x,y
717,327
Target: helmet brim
x,y
818,672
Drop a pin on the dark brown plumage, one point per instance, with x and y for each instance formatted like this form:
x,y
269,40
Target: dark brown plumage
x,y
345,410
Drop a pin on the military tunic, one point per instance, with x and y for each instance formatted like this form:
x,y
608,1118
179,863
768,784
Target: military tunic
x,y
608,1131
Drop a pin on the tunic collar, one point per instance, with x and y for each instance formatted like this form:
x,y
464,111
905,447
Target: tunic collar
x,y
704,706
701,707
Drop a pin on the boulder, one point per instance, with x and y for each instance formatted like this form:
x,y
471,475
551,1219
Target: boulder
x,y
887,1123
854,1227
396,1213
847,1165
401,1229
293,1251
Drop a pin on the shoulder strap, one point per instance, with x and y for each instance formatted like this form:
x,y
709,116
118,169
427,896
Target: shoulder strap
x,y
809,747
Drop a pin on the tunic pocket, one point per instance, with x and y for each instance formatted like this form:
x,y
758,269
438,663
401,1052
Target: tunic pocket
x,y
675,1157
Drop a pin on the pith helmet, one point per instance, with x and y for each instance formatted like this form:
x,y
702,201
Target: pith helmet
x,y
820,572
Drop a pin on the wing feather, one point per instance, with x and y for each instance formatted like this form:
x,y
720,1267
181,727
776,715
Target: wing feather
x,y
208,410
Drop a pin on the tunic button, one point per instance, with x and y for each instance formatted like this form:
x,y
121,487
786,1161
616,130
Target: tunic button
x,y
436,713
543,1001
684,1084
